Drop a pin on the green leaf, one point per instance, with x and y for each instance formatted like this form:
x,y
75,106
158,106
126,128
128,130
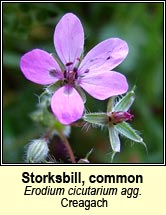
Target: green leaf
x,y
125,102
99,119
114,139
126,130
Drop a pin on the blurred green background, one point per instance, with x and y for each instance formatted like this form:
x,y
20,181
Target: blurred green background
x,y
31,25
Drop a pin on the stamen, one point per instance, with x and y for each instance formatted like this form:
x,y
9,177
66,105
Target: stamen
x,y
65,74
75,69
76,75
70,76
75,72
69,63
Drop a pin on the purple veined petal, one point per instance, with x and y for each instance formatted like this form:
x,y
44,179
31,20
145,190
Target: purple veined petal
x,y
69,39
67,105
40,67
105,84
104,56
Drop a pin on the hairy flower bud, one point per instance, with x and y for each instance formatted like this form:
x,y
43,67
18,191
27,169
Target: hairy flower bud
x,y
37,151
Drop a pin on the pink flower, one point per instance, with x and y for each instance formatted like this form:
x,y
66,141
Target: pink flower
x,y
92,73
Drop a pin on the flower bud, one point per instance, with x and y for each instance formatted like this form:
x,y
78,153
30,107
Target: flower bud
x,y
37,151
120,116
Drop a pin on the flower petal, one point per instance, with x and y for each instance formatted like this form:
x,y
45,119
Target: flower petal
x,y
69,39
104,56
67,105
37,65
104,85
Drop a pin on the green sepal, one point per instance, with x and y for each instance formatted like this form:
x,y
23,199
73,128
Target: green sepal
x,y
114,139
55,56
125,102
110,104
125,129
53,87
99,119
82,94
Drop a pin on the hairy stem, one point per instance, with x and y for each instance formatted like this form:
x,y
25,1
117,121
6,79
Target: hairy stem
x,y
65,141
68,147
48,134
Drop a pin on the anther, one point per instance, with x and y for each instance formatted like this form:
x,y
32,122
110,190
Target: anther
x,y
65,74
75,72
69,63
75,69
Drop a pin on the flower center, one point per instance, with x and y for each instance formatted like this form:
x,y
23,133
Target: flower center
x,y
70,76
